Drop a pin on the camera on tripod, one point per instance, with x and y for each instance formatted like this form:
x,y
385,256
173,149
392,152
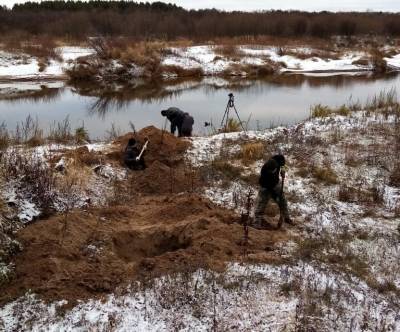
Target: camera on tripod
x,y
225,118
231,101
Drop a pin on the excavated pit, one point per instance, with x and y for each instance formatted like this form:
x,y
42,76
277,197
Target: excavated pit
x,y
95,252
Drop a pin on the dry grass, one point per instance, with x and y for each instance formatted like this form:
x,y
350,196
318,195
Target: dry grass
x,y
320,111
394,177
232,125
41,47
228,170
29,132
303,55
4,136
38,179
181,72
361,62
229,51
60,132
250,152
379,65
81,135
325,175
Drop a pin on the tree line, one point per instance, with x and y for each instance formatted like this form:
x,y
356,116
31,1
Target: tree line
x,y
80,19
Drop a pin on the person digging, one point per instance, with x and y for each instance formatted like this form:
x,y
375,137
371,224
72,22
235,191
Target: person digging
x,y
133,155
179,120
271,187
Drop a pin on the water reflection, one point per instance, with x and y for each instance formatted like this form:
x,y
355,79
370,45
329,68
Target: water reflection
x,y
41,94
280,99
117,97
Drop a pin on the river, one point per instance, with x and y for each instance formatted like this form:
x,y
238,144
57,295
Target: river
x,y
283,99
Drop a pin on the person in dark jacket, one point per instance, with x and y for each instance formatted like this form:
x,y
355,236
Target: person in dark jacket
x,y
179,120
271,187
131,154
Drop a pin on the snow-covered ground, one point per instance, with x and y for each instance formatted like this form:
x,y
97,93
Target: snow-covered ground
x,y
23,66
342,271
206,57
15,194
212,63
244,298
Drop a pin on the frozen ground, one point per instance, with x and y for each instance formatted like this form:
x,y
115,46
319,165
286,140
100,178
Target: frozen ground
x,y
208,58
23,66
342,270
244,298
212,63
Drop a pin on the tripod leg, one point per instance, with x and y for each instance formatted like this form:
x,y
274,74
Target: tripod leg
x,y
237,114
225,115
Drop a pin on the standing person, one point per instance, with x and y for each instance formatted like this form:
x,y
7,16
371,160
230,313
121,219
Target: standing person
x,y
271,187
131,156
179,120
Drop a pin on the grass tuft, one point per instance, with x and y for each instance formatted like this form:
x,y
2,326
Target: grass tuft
x,y
251,152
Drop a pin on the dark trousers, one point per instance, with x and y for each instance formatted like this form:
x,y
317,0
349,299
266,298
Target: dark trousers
x,y
263,197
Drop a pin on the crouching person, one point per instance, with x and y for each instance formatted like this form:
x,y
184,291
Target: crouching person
x,y
271,187
179,120
133,158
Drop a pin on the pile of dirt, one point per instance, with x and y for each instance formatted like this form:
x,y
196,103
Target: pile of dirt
x,y
159,178
166,171
163,147
92,253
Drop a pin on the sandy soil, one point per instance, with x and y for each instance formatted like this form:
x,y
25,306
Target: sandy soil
x,y
91,253
156,224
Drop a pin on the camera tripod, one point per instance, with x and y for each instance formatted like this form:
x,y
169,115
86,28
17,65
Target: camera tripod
x,y
225,118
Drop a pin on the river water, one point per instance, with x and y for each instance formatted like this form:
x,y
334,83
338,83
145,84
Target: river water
x,y
284,99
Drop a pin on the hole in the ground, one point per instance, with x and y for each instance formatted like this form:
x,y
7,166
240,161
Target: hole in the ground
x,y
132,246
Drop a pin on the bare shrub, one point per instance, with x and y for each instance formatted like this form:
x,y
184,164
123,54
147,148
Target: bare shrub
x,y
32,174
113,132
60,132
4,136
29,132
81,135
379,65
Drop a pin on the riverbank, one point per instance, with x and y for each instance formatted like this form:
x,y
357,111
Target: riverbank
x,y
338,266
105,61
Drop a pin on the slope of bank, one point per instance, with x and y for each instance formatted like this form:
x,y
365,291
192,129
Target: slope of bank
x,y
337,268
110,64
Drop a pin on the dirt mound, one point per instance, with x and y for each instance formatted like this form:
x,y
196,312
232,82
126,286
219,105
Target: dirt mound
x,y
159,178
163,146
166,170
92,253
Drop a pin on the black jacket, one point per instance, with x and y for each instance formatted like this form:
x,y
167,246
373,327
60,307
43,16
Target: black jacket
x,y
180,120
175,116
270,174
187,125
131,152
